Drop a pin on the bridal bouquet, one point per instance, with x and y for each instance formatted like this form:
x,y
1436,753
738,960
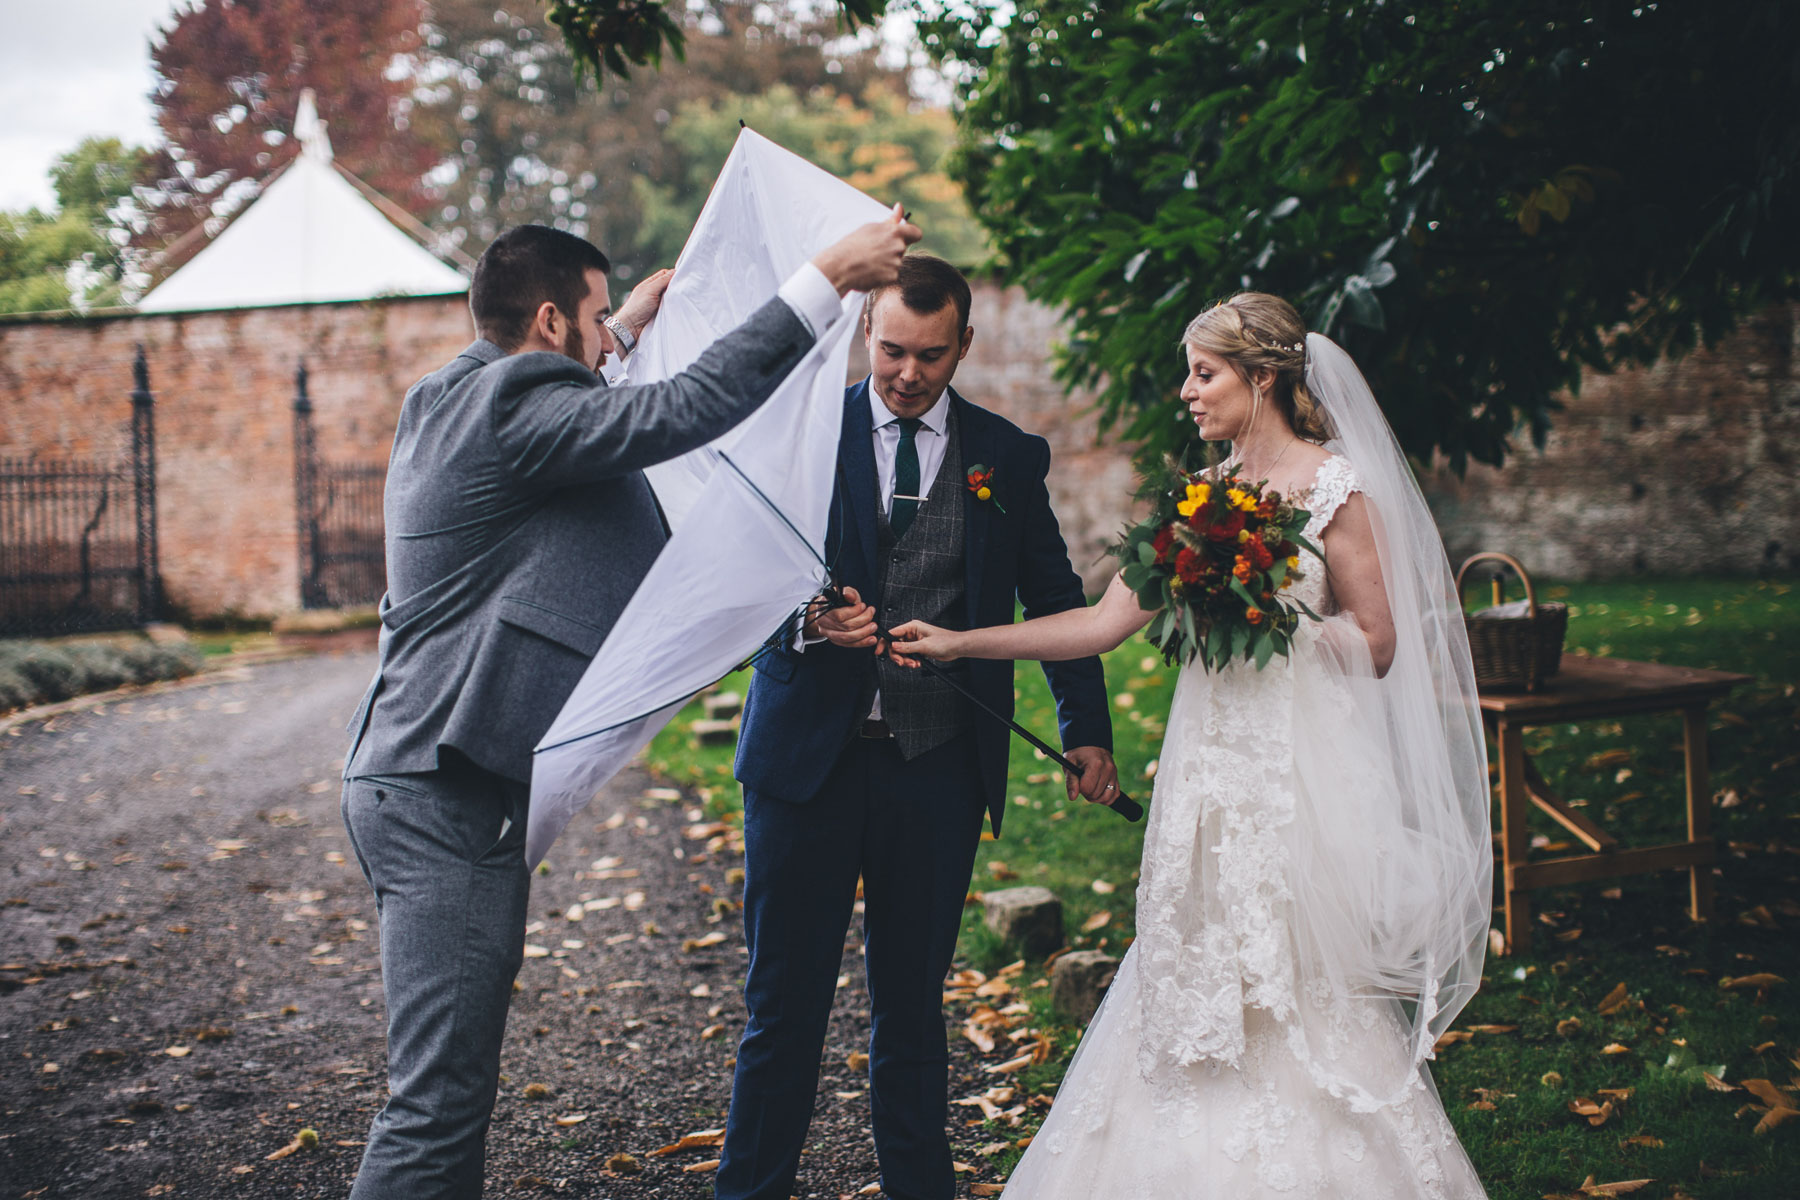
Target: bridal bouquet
x,y
1216,556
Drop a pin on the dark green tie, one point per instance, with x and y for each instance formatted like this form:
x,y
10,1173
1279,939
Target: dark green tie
x,y
906,477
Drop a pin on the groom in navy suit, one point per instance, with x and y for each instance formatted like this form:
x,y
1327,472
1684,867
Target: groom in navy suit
x,y
855,768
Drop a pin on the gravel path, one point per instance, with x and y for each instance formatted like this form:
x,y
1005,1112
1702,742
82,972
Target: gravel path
x,y
189,969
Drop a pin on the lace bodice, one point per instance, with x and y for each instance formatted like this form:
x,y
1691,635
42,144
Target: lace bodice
x,y
1331,486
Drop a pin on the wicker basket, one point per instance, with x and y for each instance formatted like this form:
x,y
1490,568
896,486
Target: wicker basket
x,y
1511,653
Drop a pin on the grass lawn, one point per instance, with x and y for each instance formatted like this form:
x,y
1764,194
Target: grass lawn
x,y
1510,1094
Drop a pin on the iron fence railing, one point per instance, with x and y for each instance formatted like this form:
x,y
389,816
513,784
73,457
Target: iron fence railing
x,y
342,559
78,541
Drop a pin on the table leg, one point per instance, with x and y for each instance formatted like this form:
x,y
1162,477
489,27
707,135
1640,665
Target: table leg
x,y
1699,809
1515,840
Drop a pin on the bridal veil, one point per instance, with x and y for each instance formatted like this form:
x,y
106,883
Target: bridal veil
x,y
1393,886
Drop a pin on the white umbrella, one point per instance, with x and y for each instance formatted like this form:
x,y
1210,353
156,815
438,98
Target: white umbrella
x,y
748,511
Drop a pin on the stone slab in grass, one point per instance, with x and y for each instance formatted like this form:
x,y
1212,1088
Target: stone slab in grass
x,y
1078,982
723,706
1030,918
715,733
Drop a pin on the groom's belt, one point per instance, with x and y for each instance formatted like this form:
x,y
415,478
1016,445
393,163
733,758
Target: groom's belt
x,y
876,729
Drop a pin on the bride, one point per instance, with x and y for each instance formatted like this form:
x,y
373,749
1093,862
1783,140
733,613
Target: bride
x,y
1314,898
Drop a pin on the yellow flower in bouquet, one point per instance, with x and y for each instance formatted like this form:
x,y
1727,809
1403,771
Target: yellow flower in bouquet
x,y
1198,494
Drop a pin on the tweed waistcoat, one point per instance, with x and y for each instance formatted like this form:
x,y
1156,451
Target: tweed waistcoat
x,y
922,575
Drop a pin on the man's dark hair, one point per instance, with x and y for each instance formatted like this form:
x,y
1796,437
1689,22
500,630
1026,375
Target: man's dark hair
x,y
522,268
926,283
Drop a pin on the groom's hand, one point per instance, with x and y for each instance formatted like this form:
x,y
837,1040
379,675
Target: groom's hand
x,y
1099,781
852,626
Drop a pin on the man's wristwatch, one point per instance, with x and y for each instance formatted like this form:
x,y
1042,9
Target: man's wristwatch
x,y
626,339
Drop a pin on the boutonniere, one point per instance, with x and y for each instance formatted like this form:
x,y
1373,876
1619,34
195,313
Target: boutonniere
x,y
981,483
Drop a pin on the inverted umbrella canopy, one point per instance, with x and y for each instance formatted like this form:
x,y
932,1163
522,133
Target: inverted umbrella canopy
x,y
748,510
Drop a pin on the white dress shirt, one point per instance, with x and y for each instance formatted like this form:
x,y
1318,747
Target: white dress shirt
x,y
811,296
929,441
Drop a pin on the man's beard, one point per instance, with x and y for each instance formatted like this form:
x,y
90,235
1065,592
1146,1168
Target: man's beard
x,y
576,346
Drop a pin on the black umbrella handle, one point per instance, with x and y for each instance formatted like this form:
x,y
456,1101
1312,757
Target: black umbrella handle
x,y
1124,805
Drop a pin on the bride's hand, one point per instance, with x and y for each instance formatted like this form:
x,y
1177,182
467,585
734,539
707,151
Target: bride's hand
x,y
916,639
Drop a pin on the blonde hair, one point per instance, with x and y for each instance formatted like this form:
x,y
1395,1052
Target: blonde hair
x,y
1252,330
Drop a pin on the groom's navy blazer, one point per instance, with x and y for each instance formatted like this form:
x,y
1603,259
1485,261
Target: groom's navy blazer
x,y
801,706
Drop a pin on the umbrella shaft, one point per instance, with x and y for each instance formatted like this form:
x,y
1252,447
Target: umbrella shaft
x,y
1125,806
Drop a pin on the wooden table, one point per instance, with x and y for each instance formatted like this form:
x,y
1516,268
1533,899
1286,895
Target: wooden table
x,y
1584,690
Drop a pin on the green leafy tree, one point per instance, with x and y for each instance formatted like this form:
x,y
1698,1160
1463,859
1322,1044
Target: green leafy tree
x,y
1478,198
76,256
526,136
614,35
878,144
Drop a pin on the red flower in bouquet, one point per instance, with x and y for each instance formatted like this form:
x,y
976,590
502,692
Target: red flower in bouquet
x,y
1226,530
1163,542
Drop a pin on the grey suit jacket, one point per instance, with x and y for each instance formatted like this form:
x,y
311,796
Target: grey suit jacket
x,y
519,522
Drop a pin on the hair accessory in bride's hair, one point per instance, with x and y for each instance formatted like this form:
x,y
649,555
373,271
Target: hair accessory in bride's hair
x,y
1297,348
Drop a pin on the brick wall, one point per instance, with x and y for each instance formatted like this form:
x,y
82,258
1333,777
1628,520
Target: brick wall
x,y
1603,498
1682,468
224,386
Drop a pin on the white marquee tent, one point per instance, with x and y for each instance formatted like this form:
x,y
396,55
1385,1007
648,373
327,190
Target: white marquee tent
x,y
311,236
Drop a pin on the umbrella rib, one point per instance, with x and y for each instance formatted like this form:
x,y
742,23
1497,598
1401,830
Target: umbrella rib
x,y
761,495
593,733
774,508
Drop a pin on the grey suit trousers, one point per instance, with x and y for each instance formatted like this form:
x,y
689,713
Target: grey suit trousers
x,y
444,851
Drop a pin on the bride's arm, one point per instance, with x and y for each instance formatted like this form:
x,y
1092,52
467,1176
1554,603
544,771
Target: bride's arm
x,y
1354,571
1077,633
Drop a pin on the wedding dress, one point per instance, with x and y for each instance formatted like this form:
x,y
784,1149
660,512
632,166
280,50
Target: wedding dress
x,y
1312,904
1209,1074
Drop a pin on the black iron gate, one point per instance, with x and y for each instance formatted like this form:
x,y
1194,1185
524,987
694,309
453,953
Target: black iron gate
x,y
78,546
342,560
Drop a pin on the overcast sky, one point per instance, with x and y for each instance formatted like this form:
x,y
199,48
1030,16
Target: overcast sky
x,y
68,69
74,68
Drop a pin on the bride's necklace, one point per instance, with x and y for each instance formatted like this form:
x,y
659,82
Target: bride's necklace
x,y
1271,470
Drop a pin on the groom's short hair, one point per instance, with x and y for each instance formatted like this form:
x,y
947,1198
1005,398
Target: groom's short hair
x,y
926,283
522,268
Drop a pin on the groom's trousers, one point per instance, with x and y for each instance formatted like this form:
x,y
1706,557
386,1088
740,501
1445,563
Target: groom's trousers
x,y
445,853
910,831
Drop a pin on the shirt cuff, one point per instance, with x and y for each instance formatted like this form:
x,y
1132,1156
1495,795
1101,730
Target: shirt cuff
x,y
812,298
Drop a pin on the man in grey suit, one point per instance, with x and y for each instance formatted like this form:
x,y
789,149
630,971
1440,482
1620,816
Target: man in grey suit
x,y
519,522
